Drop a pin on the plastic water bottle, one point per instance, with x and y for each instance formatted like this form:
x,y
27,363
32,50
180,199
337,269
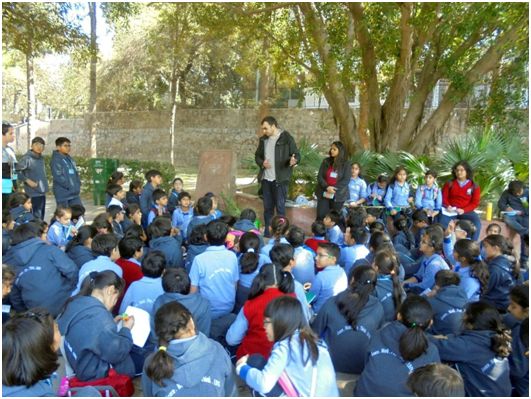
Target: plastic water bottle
x,y
488,216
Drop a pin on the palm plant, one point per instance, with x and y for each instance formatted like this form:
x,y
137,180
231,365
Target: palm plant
x,y
304,177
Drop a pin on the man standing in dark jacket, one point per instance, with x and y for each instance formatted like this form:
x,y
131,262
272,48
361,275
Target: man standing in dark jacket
x,y
66,182
32,173
276,155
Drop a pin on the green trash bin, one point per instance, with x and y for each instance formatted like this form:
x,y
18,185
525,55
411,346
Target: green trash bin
x,y
101,169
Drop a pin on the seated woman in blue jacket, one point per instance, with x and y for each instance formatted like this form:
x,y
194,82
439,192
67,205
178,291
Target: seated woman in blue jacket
x,y
297,360
92,341
480,352
348,320
187,363
397,350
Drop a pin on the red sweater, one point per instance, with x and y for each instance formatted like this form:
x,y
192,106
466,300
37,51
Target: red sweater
x,y
255,340
466,197
313,243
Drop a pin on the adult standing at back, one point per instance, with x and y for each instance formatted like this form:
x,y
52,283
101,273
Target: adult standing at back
x,y
9,160
276,155
32,172
66,181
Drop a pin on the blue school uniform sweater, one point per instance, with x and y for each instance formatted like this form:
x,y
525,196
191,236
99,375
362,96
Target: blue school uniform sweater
x,y
386,372
335,235
350,254
396,195
196,221
100,264
428,198
518,362
348,345
374,189
181,219
59,234
171,247
142,294
500,282
267,247
329,282
357,189
448,310
384,293
469,283
80,255
484,374
427,271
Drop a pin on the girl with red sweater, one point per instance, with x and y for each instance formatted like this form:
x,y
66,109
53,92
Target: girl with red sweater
x,y
248,328
460,197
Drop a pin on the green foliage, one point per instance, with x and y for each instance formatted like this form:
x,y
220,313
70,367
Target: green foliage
x,y
230,205
304,177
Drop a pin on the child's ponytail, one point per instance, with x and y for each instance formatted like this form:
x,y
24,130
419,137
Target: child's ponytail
x,y
469,250
249,245
286,283
388,264
501,342
279,227
160,366
416,314
480,270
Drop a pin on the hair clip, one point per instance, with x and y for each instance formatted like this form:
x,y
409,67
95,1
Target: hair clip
x,y
162,348
251,250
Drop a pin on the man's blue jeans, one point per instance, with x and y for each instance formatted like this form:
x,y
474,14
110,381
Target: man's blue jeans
x,y
275,195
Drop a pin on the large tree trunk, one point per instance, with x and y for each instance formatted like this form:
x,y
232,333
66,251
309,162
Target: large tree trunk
x,y
93,64
363,119
30,82
173,102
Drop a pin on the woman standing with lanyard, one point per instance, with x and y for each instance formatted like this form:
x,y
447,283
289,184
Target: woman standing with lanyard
x,y
332,180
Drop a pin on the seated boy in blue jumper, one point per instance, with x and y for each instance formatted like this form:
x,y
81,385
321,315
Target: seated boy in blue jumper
x,y
304,271
333,231
176,286
214,274
354,248
430,263
332,279
202,215
164,238
429,195
183,214
143,293
158,207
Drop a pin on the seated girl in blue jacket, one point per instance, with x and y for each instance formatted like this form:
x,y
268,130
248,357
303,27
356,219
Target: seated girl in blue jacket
x,y
297,358
397,350
187,362
480,352
388,290
473,272
348,320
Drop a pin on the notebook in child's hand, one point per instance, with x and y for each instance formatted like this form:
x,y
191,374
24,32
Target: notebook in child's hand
x,y
141,328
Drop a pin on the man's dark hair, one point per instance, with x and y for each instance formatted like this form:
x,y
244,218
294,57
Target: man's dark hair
x,y
61,140
270,120
38,140
5,127
217,232
176,280
103,244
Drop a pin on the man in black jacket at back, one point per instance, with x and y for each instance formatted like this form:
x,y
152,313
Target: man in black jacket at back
x,y
276,155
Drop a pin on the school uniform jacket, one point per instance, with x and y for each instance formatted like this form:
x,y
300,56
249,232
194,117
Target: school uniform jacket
x,y
448,309
500,282
45,276
92,342
329,282
384,293
171,246
386,372
348,345
518,362
484,374
80,255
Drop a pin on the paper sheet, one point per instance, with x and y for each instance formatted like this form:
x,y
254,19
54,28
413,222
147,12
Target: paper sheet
x,y
141,328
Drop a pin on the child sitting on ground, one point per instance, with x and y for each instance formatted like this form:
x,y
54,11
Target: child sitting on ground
x,y
183,214
165,238
354,247
118,216
20,207
333,231
319,235
158,207
61,231
279,227
304,257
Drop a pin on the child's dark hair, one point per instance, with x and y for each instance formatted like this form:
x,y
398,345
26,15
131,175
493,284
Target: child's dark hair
x,y
444,278
78,210
197,235
318,228
177,179
467,226
281,254
435,237
420,215
115,176
352,302
135,184
113,189
279,227
286,317
356,217
6,216
400,223
60,211
470,251
397,170
466,166
129,246
382,178
158,194
170,319
100,280
359,235
377,239
103,244
515,186
59,141
184,194
520,295
249,245
436,379
27,348
176,280
416,314
271,274
248,214
204,206
24,232
153,264
217,232
507,249
295,236
431,172
481,316
83,234
17,199
131,209
229,220
150,174
494,226
134,231
160,227
8,274
101,221
376,227
388,265
331,249
334,216
114,210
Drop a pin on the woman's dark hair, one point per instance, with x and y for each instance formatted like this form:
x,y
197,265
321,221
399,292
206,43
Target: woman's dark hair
x,y
397,170
100,280
17,199
103,244
436,379
115,176
83,234
387,263
204,206
170,319
248,214
279,227
507,249
176,280
101,221
154,264
249,245
351,302
271,274
286,317
469,250
295,236
24,232
160,227
216,232
341,157
468,169
378,239
416,314
520,295
444,278
197,235
482,316
282,254
27,348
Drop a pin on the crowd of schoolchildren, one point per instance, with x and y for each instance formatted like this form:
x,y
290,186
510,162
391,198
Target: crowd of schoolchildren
x,y
393,288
